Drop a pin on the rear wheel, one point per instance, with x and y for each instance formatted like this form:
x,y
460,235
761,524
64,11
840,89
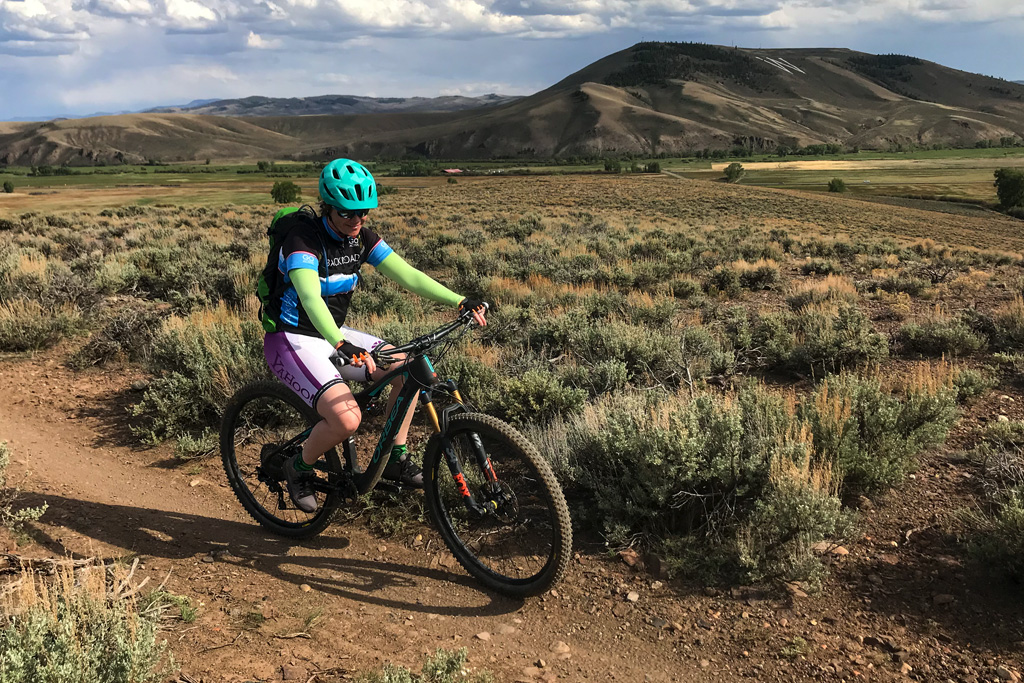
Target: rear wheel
x,y
519,539
260,419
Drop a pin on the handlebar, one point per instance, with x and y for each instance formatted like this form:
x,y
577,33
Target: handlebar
x,y
418,345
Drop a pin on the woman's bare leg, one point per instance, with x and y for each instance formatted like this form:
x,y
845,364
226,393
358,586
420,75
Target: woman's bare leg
x,y
341,420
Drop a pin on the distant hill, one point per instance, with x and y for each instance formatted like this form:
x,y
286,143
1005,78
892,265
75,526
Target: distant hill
x,y
333,104
1021,82
649,99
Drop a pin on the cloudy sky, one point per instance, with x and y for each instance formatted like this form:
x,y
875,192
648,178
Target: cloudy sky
x,y
73,57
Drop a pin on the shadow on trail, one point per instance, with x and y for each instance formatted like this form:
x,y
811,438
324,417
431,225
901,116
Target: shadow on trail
x,y
932,588
181,536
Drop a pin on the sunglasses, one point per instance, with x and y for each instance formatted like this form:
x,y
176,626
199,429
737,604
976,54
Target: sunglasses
x,y
349,215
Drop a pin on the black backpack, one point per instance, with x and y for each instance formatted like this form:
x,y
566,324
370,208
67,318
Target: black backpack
x,y
284,221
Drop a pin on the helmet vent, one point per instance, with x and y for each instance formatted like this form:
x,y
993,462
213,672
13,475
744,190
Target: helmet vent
x,y
345,193
351,170
337,176
359,192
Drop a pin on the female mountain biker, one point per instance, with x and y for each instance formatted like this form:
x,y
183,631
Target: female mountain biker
x,y
318,266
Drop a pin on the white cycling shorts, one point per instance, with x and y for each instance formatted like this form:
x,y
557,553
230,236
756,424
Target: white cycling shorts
x,y
303,362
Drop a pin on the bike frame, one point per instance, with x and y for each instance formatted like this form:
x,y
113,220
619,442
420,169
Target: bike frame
x,y
420,383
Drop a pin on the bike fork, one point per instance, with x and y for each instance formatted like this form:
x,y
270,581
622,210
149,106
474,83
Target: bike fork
x,y
453,460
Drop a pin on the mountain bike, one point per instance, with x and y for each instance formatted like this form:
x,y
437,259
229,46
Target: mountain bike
x,y
490,494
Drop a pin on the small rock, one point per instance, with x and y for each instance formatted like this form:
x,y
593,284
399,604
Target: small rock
x,y
560,648
532,672
292,673
418,541
197,482
140,385
1002,418
621,609
704,663
382,549
676,626
1004,397
656,585
889,559
840,550
483,635
783,623
745,615
506,630
629,556
632,596
659,623
943,599
864,503
795,590
553,593
821,547
905,669
540,664
711,592
1006,674
208,558
305,588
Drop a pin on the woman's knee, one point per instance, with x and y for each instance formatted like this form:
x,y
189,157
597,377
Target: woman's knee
x,y
339,409
346,419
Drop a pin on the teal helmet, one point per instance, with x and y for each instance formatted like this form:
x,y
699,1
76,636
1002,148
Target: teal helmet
x,y
347,185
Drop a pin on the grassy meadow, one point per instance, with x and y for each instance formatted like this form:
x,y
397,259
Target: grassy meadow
x,y
715,369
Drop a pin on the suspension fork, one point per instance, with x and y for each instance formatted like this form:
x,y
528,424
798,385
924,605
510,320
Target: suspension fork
x,y
478,448
449,455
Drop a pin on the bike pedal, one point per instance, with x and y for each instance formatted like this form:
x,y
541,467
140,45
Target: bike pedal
x,y
389,486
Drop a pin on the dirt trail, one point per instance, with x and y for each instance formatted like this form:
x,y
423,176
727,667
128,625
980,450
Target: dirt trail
x,y
374,600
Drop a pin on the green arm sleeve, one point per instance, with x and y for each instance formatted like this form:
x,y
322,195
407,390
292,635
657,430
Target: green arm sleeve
x,y
394,267
307,286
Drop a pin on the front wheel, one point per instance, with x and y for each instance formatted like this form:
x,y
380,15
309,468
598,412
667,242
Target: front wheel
x,y
516,536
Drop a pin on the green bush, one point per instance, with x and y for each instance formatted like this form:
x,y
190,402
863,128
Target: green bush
x,y
836,185
29,326
444,666
829,341
970,384
820,267
871,436
199,363
997,538
538,396
685,476
75,632
285,192
733,172
127,334
940,337
723,280
1010,187
8,186
14,520
762,277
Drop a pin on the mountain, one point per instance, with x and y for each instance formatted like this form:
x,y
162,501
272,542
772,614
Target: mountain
x,y
334,104
1021,82
648,99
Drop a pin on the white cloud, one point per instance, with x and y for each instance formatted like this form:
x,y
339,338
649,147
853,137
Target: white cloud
x,y
258,42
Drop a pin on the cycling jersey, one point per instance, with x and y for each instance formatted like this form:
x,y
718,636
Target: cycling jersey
x,y
336,260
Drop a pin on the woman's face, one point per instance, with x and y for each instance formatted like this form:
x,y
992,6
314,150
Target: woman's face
x,y
350,225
